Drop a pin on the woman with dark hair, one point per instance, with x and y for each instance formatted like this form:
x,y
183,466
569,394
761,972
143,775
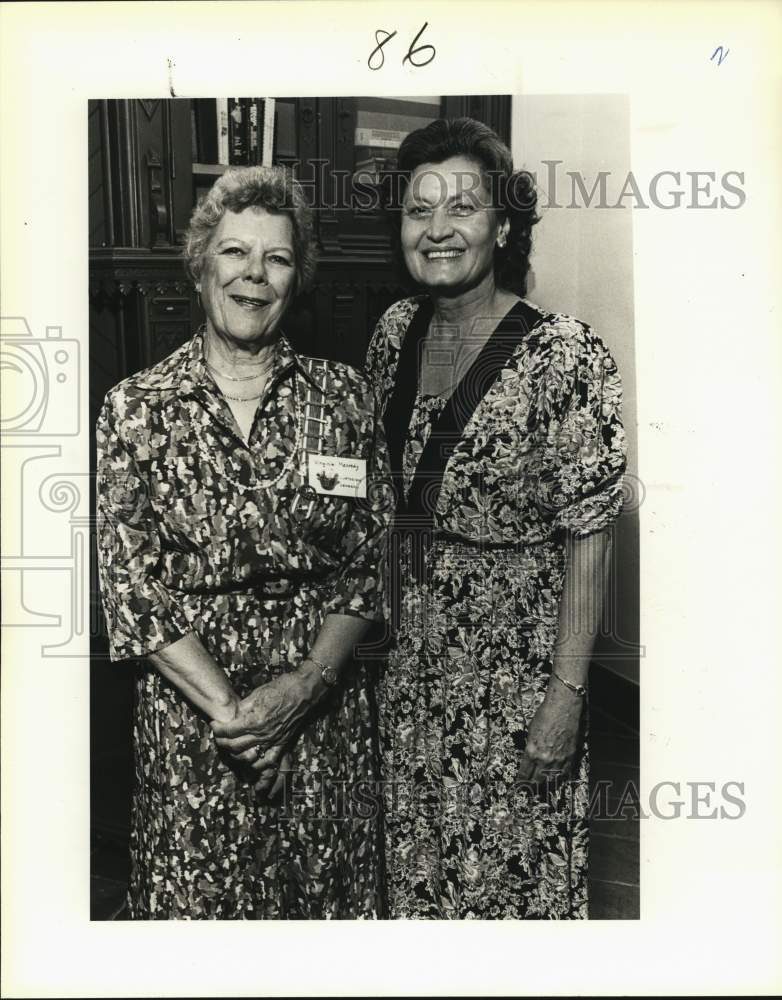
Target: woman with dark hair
x,y
241,558
504,432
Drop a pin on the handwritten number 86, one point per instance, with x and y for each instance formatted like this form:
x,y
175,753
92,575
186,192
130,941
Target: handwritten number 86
x,y
377,57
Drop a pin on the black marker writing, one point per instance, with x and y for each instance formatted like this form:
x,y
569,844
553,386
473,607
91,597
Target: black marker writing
x,y
379,49
413,51
377,56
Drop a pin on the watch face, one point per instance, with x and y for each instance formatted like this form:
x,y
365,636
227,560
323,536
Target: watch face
x,y
329,676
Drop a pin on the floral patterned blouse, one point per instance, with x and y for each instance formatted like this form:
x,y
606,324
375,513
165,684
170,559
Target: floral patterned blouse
x,y
540,458
547,438
200,531
187,509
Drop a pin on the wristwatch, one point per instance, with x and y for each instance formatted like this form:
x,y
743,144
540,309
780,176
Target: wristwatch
x,y
328,673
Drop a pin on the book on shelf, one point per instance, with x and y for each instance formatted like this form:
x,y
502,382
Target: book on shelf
x,y
258,111
253,133
237,131
223,147
232,131
246,130
267,139
206,129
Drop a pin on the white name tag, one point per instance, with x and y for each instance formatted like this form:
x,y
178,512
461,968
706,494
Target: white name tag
x,y
337,477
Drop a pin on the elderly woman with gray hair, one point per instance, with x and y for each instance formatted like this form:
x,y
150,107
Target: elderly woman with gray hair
x,y
241,559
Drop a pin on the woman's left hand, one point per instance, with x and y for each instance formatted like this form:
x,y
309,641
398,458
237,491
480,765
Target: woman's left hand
x,y
269,716
552,737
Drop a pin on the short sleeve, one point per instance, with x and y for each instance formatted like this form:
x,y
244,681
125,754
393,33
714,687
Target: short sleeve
x,y
384,347
360,585
376,364
141,614
582,446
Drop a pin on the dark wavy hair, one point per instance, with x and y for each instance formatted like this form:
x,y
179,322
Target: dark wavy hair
x,y
512,192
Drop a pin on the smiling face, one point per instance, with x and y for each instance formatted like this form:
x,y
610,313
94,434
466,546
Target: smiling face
x,y
449,229
248,275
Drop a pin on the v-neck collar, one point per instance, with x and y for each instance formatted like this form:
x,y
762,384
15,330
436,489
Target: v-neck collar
x,y
448,427
407,377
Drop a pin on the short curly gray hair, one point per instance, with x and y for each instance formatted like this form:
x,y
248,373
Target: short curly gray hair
x,y
272,188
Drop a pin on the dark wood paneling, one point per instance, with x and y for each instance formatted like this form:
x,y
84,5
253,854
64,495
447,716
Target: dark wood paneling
x,y
180,152
96,174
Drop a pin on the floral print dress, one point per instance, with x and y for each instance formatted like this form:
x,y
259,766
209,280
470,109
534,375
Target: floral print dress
x,y
201,532
542,455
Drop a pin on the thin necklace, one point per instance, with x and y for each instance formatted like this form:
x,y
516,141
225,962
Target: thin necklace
x,y
261,483
240,399
267,364
243,399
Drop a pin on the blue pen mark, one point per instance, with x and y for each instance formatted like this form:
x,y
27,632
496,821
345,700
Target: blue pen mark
x,y
720,54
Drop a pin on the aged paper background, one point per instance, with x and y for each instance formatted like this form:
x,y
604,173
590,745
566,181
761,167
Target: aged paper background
x,y
707,314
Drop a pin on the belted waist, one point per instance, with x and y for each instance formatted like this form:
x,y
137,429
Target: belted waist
x,y
424,539
279,589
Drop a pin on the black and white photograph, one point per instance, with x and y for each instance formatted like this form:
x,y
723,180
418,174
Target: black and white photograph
x,y
359,473
368,530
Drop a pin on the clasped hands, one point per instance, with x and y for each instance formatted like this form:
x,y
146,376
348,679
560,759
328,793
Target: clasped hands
x,y
265,724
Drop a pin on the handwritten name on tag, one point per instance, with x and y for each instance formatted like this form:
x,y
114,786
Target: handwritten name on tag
x,y
334,476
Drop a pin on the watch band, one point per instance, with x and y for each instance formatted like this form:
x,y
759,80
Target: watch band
x,y
328,673
578,689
